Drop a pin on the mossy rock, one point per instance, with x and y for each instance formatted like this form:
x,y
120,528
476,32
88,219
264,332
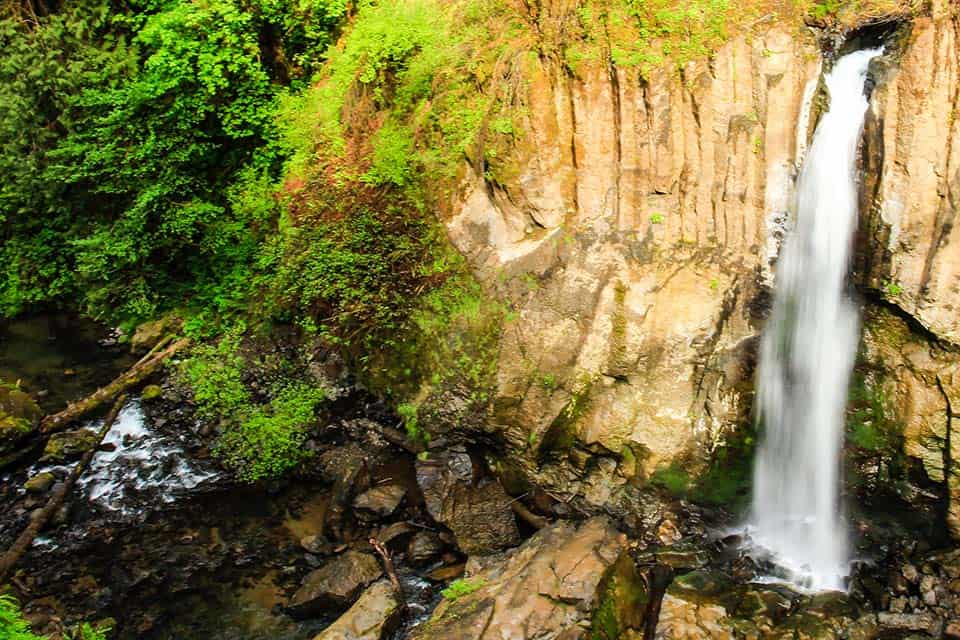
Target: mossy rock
x,y
19,416
62,447
622,603
151,392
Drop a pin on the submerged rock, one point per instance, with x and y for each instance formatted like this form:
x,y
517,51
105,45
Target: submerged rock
x,y
372,617
546,588
335,585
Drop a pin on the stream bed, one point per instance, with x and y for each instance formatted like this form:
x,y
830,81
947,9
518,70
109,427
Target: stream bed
x,y
157,536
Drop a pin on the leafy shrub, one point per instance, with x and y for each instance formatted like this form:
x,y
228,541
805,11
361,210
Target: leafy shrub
x,y
267,441
462,587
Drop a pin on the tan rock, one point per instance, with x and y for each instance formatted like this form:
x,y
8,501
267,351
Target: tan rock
x,y
370,618
543,589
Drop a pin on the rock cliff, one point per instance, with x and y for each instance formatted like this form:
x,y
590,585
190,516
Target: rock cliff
x,y
634,232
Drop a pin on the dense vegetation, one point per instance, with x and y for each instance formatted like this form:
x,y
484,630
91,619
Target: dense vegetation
x,y
242,163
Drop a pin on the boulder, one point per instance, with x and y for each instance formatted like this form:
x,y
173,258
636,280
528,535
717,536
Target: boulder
x,y
380,501
40,483
69,445
151,392
424,547
19,416
335,585
372,617
147,335
479,515
546,588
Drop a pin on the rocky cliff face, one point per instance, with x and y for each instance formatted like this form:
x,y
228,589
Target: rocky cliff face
x,y
634,239
634,233
909,250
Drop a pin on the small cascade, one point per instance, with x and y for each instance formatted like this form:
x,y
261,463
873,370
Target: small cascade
x,y
808,351
138,468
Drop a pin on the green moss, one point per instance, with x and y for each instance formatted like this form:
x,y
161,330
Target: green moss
x,y
623,601
151,392
674,478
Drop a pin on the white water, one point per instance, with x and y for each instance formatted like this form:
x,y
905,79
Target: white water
x,y
807,353
145,468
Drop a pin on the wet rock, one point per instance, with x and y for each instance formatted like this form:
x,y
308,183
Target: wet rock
x,y
546,588
336,584
69,445
424,547
910,573
479,515
40,483
380,501
449,572
904,622
393,531
316,544
952,631
151,392
371,617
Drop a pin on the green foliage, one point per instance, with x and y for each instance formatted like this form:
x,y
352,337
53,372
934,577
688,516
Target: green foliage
x,y
892,288
656,218
673,478
12,624
214,373
268,440
462,587
259,440
408,413
129,134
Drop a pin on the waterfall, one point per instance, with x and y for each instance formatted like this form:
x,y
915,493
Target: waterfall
x,y
808,350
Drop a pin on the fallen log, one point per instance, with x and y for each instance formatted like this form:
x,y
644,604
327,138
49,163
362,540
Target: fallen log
x,y
143,369
40,518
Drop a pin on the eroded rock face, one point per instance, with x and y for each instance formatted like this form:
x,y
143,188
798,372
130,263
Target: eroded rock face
x,y
909,249
633,234
544,589
478,513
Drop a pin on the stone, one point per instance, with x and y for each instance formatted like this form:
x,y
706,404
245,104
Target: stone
x,y
905,622
952,631
148,334
479,516
335,585
393,531
910,573
545,588
424,547
372,616
380,501
151,392
19,417
69,445
40,483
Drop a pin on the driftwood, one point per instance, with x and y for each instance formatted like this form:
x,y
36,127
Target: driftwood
x,y
147,366
391,570
40,518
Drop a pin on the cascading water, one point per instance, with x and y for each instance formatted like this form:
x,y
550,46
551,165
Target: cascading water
x,y
808,350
